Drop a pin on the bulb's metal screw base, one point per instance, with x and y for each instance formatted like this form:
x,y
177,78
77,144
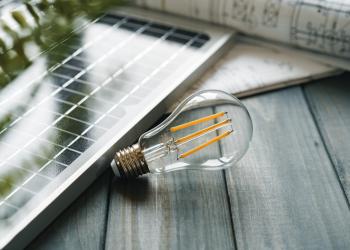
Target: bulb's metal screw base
x,y
130,162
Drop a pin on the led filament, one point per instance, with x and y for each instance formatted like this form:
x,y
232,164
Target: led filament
x,y
201,132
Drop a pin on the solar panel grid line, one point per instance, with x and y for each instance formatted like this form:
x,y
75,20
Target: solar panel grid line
x,y
77,137
86,108
121,70
117,104
163,64
73,134
94,91
60,76
22,186
93,41
69,35
69,117
45,170
30,141
15,190
13,184
26,113
69,82
84,122
23,132
20,167
30,152
90,91
49,161
7,207
32,108
91,66
72,91
103,57
73,68
89,122
4,202
146,79
9,146
19,187
48,141
66,147
118,72
41,76
20,198
43,100
76,60
65,150
116,48
30,171
72,46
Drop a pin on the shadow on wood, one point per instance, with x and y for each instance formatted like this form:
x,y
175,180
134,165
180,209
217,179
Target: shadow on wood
x,y
136,190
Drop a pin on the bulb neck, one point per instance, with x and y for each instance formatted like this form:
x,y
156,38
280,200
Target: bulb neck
x,y
130,162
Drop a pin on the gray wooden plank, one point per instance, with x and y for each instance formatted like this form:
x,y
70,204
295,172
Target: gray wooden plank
x,y
82,225
285,193
179,210
329,101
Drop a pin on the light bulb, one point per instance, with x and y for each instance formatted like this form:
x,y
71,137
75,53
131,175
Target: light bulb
x,y
209,130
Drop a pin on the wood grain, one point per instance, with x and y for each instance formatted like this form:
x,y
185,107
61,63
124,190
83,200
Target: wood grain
x,y
330,104
82,225
285,193
179,210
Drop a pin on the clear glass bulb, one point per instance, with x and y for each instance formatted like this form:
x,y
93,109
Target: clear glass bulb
x,y
209,130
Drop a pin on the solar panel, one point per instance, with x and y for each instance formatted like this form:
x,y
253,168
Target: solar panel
x,y
83,95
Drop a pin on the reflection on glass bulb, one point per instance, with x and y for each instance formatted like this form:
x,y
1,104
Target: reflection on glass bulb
x,y
210,130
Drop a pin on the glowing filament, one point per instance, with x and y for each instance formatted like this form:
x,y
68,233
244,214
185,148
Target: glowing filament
x,y
211,141
202,131
195,122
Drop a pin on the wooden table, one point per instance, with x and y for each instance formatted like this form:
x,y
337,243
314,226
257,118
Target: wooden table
x,y
291,191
